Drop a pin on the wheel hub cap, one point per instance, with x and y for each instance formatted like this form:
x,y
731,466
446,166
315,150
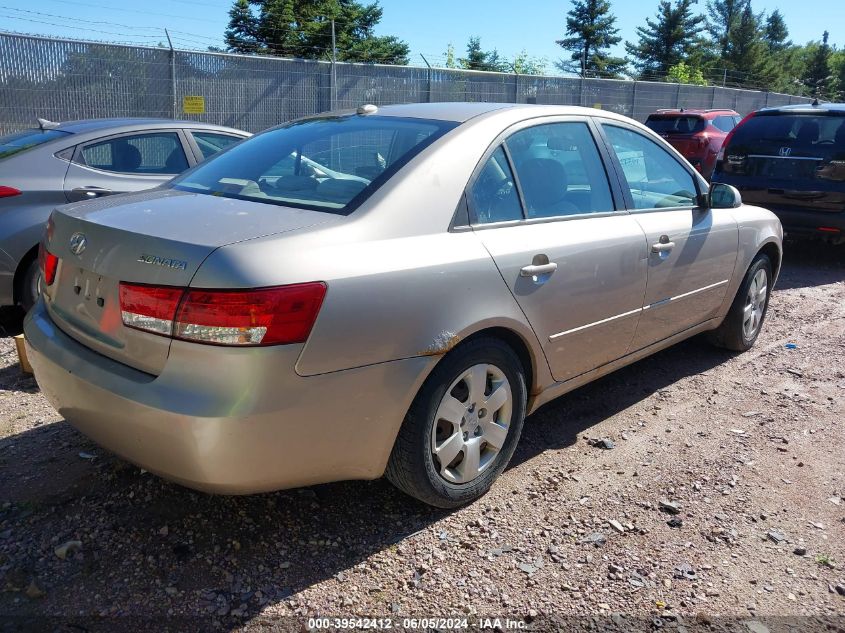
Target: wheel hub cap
x,y
755,304
471,423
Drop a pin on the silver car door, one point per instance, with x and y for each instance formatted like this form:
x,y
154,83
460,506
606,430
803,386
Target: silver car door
x,y
692,250
573,261
125,162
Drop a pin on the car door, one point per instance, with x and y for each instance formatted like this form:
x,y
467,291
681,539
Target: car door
x,y
692,250
125,162
543,206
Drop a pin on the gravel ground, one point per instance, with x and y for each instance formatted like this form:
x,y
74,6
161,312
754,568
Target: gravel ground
x,y
723,496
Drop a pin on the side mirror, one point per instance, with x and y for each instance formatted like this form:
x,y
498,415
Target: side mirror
x,y
724,196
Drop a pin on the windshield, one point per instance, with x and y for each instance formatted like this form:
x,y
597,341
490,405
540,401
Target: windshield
x,y
328,164
790,135
21,141
675,124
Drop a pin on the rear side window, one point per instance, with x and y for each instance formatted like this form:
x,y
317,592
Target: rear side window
x,y
655,179
724,123
210,142
327,164
675,124
150,154
493,195
790,135
18,142
560,171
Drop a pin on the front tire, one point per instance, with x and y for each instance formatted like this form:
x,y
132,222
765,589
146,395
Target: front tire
x,y
744,320
463,426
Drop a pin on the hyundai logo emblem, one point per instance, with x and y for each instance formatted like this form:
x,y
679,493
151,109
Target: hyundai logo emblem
x,y
785,151
78,242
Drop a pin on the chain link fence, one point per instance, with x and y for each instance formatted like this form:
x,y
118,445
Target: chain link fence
x,y
65,80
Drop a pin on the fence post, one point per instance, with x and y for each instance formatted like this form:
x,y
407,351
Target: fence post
x,y
333,88
634,100
713,98
428,76
678,97
515,86
172,73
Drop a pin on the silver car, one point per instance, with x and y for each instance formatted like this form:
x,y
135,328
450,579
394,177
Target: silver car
x,y
386,292
56,163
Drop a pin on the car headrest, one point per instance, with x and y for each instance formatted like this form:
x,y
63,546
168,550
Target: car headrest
x,y
839,137
543,182
126,157
808,132
559,143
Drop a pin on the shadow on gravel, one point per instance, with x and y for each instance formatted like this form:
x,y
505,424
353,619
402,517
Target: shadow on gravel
x,y
147,542
809,263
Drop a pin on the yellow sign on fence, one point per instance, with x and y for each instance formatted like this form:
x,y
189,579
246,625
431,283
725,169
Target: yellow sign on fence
x,y
193,104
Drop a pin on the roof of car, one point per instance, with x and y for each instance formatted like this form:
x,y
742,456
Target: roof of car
x,y
696,111
808,107
93,125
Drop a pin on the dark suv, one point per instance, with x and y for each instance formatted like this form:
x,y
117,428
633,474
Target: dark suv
x,y
791,160
697,134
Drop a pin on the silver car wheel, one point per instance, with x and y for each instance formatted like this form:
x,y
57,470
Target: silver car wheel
x,y
755,304
471,423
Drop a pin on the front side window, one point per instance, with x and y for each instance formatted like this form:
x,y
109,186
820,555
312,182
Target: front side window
x,y
326,164
143,154
21,141
211,142
560,170
655,179
494,197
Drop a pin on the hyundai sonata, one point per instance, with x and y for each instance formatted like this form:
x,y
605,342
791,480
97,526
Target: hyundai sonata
x,y
386,291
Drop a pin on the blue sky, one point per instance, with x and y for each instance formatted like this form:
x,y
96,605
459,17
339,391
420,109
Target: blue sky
x,y
427,26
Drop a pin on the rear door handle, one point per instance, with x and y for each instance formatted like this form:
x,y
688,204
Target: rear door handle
x,y
663,245
91,191
538,269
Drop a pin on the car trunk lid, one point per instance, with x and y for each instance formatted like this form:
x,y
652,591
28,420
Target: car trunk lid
x,y
158,238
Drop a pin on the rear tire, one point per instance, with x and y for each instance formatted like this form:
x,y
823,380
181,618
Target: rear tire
x,y
469,411
28,289
744,320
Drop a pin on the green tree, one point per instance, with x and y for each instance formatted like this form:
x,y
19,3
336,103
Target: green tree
x,y
591,29
450,56
524,64
837,64
303,28
776,32
818,76
672,37
747,52
479,59
680,73
723,16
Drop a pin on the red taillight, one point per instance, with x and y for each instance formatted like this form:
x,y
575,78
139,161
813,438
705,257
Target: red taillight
x,y
8,192
828,229
265,316
48,263
149,308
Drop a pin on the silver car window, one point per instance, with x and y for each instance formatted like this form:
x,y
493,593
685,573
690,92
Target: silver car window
x,y
655,179
493,194
327,164
560,170
159,153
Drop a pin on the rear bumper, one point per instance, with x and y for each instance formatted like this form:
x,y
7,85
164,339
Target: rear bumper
x,y
811,223
224,420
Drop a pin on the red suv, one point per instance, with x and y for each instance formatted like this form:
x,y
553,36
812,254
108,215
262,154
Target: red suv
x,y
697,134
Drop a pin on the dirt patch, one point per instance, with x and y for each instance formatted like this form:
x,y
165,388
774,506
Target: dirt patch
x,y
723,494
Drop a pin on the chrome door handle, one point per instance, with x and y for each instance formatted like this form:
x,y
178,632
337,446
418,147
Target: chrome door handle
x,y
663,245
539,269
92,191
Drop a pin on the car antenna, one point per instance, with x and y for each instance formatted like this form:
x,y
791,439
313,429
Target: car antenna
x,y
815,102
44,124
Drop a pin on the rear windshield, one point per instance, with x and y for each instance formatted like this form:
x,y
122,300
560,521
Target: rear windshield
x,y
663,124
21,141
328,164
790,135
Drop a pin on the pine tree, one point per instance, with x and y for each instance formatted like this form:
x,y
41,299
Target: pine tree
x,y
723,18
669,39
591,29
747,53
303,28
775,32
478,59
818,77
